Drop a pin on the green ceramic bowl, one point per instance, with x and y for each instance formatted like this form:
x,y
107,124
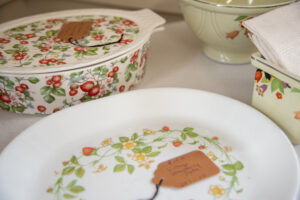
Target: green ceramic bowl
x,y
218,24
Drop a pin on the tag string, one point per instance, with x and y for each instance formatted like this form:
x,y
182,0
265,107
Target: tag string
x,y
157,186
76,43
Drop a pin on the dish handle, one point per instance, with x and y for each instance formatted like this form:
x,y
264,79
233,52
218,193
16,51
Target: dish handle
x,y
150,19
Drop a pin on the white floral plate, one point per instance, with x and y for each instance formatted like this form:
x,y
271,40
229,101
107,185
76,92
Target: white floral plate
x,y
110,148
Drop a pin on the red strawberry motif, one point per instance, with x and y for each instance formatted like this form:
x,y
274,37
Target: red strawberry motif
x,y
19,89
5,98
87,151
41,108
56,110
79,49
44,50
111,74
121,88
44,61
56,78
126,41
87,86
52,60
49,82
61,63
48,26
115,69
94,91
56,39
119,31
128,22
98,37
24,42
30,35
73,92
131,87
24,86
57,84
74,87
99,20
4,41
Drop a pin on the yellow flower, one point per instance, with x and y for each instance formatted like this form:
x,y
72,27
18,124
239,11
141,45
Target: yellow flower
x,y
149,132
212,156
100,168
106,142
139,157
146,164
216,190
56,173
129,145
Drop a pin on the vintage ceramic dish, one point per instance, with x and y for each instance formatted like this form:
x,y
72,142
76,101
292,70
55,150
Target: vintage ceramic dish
x,y
109,149
276,93
41,74
218,24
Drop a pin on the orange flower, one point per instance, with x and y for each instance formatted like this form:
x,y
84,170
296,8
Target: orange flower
x,y
64,163
258,76
297,115
232,34
177,143
279,95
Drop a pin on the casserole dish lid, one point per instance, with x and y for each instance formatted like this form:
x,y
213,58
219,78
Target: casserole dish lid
x,y
32,45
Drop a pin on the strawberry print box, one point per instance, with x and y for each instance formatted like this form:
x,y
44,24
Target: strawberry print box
x,y
276,93
40,73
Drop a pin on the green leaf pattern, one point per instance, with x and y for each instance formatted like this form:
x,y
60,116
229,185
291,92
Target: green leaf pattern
x,y
53,92
139,151
278,87
46,49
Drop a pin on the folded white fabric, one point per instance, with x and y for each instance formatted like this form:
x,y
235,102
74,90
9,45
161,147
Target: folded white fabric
x,y
276,35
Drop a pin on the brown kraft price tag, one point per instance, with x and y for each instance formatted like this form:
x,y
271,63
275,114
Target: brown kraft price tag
x,y
71,31
185,170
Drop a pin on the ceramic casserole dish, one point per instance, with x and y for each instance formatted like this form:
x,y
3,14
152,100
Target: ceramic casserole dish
x,y
41,73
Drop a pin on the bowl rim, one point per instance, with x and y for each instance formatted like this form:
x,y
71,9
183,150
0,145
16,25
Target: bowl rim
x,y
220,5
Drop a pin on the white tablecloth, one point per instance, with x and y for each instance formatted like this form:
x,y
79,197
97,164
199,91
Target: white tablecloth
x,y
175,60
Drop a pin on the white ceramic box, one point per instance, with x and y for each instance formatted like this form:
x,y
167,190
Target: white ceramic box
x,y
40,73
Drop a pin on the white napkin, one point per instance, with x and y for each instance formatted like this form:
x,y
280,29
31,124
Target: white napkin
x,y
276,35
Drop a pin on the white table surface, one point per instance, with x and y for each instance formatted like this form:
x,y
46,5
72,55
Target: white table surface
x,y
175,60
